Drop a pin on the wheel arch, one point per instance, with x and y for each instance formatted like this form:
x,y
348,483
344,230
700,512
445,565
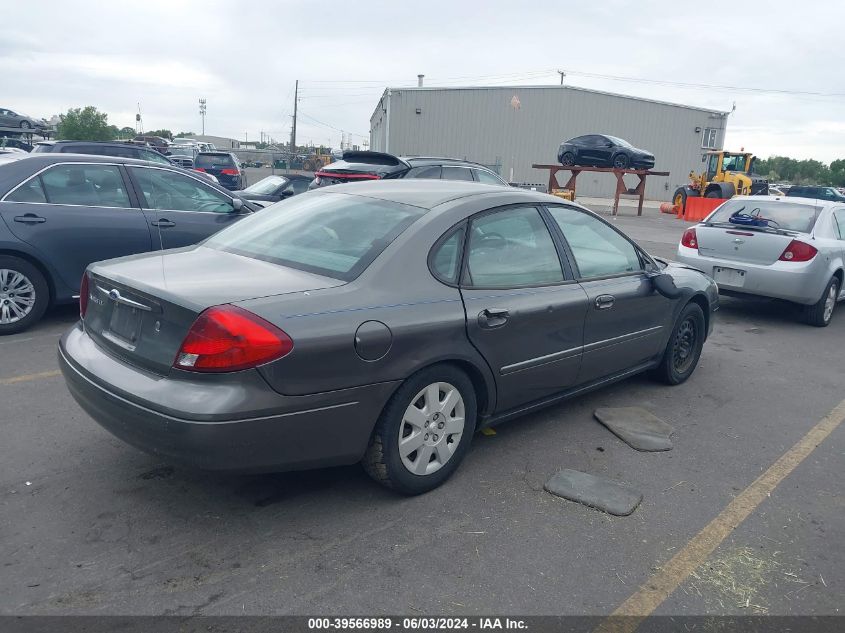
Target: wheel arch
x,y
48,277
703,303
481,378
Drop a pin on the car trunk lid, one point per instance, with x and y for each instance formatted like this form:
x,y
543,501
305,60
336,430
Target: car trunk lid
x,y
140,308
742,244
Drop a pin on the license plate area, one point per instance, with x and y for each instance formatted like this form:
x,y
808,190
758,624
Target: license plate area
x,y
124,325
729,276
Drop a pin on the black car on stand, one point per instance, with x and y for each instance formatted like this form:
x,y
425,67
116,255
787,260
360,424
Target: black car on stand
x,y
602,150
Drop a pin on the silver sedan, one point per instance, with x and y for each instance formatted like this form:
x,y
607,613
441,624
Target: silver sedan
x,y
785,248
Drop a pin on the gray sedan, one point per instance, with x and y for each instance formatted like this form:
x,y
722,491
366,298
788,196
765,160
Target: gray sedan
x,y
10,118
785,248
380,322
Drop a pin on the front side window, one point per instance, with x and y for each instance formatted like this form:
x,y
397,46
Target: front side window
x,y
333,234
598,249
86,185
511,248
168,190
30,191
456,173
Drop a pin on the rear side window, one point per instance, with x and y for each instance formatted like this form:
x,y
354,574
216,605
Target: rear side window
x,y
792,216
214,161
446,256
598,249
430,172
332,234
839,223
87,185
512,248
456,173
486,177
30,191
42,148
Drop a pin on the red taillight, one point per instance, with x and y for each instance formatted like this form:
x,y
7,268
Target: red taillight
x,y
228,338
342,176
202,169
229,172
689,239
798,252
83,295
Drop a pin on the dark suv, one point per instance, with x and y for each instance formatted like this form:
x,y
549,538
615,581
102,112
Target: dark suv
x,y
224,166
120,150
818,193
357,166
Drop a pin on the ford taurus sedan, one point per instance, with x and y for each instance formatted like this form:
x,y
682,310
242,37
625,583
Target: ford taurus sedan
x,y
784,248
380,322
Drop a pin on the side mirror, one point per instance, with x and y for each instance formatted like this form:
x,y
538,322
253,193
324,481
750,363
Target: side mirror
x,y
287,193
237,203
665,285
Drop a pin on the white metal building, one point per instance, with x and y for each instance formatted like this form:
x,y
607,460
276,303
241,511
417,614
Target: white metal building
x,y
510,128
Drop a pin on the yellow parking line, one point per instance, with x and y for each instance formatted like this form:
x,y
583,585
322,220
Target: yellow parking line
x,y
657,588
28,377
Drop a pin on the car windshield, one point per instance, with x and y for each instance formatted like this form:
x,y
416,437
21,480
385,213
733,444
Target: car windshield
x,y
620,142
266,186
790,216
214,160
333,234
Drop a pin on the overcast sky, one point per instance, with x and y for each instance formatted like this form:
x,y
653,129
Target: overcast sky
x,y
244,56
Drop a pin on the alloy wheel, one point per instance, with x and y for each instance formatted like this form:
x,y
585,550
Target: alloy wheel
x,y
830,302
683,347
17,296
431,428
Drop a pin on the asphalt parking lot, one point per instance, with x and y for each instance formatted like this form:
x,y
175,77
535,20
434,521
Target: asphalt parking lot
x,y
88,525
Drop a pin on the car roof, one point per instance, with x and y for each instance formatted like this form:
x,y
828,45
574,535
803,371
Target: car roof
x,y
815,202
427,194
417,161
215,153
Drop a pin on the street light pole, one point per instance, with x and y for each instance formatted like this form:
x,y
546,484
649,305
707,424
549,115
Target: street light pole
x,y
202,114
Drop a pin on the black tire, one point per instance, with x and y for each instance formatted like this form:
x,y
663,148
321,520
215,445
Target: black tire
x,y
681,194
620,161
713,193
681,355
383,462
25,125
41,290
817,314
568,159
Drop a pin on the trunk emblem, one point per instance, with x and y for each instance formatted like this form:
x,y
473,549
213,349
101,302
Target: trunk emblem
x,y
114,295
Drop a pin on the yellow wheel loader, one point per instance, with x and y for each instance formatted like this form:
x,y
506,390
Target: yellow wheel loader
x,y
727,174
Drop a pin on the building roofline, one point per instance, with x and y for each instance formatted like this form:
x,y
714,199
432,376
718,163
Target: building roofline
x,y
547,87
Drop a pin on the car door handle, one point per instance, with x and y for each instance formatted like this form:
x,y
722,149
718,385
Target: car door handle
x,y
603,302
163,223
493,317
30,218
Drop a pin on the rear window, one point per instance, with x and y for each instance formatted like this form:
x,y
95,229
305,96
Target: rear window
x,y
41,148
333,234
791,216
213,160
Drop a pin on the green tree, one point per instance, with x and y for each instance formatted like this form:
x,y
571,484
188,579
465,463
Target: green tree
x,y
85,124
126,132
183,134
162,133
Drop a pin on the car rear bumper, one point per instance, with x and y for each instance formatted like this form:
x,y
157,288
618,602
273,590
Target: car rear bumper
x,y
800,282
233,422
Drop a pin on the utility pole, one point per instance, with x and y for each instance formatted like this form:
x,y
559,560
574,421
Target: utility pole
x,y
562,75
293,129
202,114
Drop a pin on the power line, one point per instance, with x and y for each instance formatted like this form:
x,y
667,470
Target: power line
x,y
684,84
332,127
